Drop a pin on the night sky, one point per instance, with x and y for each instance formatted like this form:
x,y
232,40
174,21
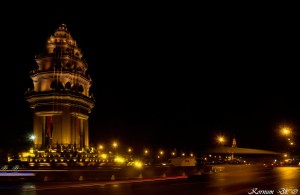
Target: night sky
x,y
171,77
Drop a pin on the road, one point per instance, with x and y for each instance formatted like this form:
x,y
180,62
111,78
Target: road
x,y
234,180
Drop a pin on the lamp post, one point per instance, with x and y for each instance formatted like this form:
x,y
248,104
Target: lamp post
x,y
221,140
288,134
100,148
115,145
286,131
146,152
129,150
32,137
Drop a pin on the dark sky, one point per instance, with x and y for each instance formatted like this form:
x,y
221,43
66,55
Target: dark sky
x,y
165,76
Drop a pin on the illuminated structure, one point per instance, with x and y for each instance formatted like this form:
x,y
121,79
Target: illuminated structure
x,y
60,97
234,143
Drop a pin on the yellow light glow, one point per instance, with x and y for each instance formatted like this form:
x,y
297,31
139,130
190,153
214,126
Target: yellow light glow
x,y
25,154
115,144
285,131
138,164
32,137
119,159
221,139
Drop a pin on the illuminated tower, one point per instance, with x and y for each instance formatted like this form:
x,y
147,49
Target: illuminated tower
x,y
60,97
234,146
234,143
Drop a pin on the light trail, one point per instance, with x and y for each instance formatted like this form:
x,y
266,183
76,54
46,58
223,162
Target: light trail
x,y
15,174
102,183
32,170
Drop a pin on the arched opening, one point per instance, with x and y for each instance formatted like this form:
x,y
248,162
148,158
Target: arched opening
x,y
68,85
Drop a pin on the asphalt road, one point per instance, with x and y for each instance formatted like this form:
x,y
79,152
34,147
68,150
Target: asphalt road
x,y
234,180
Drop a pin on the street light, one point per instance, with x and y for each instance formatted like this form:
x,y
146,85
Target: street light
x,y
286,131
146,151
173,153
129,150
221,140
101,147
32,137
115,145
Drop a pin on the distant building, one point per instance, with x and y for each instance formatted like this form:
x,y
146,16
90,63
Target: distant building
x,y
60,98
